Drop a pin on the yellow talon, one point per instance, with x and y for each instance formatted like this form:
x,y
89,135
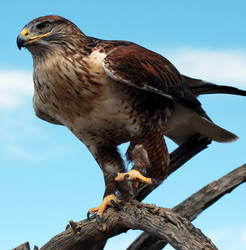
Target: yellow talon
x,y
133,176
105,203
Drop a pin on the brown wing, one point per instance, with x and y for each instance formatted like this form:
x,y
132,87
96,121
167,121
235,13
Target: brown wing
x,y
136,66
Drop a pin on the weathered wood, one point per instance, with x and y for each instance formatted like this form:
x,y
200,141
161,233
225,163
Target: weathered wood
x,y
195,204
160,222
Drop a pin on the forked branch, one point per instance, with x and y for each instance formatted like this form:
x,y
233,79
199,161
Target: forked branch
x,y
194,205
160,222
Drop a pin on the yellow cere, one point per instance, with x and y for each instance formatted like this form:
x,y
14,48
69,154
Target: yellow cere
x,y
24,32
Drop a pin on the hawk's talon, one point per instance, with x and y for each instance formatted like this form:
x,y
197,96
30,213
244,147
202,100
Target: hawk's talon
x,y
90,215
107,201
126,177
134,176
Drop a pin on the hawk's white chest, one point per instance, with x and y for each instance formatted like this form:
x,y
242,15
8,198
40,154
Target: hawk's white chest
x,y
92,105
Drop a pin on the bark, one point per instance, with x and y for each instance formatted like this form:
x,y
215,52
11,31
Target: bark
x,y
24,246
195,204
160,222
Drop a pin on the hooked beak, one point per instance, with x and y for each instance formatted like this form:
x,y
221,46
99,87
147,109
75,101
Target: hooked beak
x,y
24,38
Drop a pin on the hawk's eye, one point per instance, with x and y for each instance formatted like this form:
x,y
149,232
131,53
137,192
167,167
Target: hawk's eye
x,y
43,25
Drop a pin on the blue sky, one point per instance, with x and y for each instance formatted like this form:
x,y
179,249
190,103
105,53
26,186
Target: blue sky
x,y
47,176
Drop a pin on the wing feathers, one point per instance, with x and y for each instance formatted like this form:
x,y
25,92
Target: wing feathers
x,y
211,130
112,74
143,69
200,87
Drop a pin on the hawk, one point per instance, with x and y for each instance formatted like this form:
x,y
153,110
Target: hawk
x,y
111,92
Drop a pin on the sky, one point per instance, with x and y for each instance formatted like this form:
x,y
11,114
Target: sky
x,y
47,176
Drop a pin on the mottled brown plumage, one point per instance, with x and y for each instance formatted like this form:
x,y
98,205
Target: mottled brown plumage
x,y
111,92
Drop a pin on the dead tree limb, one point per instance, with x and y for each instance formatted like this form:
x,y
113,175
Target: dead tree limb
x,y
194,205
160,222
24,246
87,235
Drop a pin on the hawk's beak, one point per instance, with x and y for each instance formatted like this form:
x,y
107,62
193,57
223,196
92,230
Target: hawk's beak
x,y
24,38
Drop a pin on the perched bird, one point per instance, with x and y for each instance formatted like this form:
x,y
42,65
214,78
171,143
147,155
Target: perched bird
x,y
111,92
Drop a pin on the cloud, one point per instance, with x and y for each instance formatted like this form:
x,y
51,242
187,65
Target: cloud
x,y
15,87
219,66
26,139
229,237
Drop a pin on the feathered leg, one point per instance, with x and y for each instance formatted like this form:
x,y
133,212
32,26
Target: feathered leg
x,y
111,164
150,156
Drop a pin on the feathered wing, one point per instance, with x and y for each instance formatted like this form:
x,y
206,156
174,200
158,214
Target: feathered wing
x,y
140,68
200,87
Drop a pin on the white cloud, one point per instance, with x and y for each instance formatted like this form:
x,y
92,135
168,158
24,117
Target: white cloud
x,y
15,86
219,66
26,138
233,237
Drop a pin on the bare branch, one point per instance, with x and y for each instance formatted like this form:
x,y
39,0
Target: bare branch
x,y
195,204
24,246
160,222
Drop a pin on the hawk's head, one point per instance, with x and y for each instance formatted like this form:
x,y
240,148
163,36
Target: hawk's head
x,y
48,33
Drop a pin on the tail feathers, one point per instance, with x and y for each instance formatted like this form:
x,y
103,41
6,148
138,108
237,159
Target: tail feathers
x,y
212,131
199,87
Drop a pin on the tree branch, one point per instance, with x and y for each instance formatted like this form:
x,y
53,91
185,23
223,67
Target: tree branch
x,y
24,246
194,205
160,222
